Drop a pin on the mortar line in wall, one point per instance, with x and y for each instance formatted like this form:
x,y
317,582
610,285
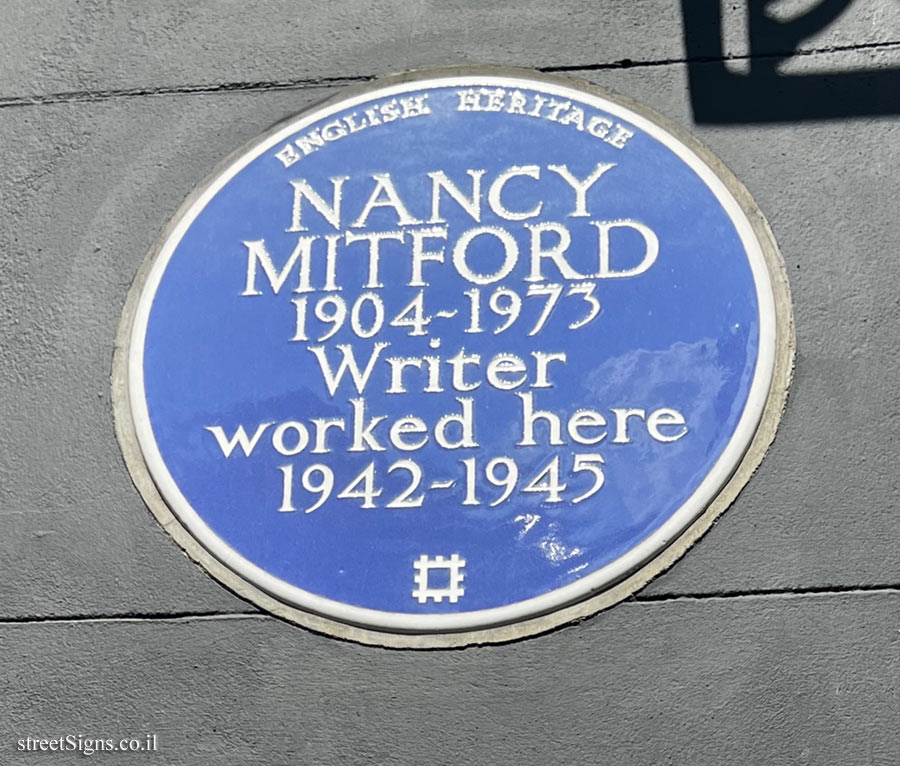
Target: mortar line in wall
x,y
131,617
629,64
780,593
810,592
86,96
175,90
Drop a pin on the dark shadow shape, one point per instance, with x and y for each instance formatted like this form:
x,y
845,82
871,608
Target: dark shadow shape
x,y
763,95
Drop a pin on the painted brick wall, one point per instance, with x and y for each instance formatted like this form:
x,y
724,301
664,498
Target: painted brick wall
x,y
775,641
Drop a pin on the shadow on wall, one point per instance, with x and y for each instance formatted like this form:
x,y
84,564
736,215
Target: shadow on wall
x,y
762,94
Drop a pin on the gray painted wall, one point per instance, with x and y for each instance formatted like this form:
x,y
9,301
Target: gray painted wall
x,y
776,640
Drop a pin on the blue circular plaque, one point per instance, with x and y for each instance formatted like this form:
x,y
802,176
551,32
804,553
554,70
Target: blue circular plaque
x,y
463,353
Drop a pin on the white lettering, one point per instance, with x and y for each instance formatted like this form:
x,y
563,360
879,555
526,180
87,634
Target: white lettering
x,y
651,251
348,362
530,171
240,437
666,416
